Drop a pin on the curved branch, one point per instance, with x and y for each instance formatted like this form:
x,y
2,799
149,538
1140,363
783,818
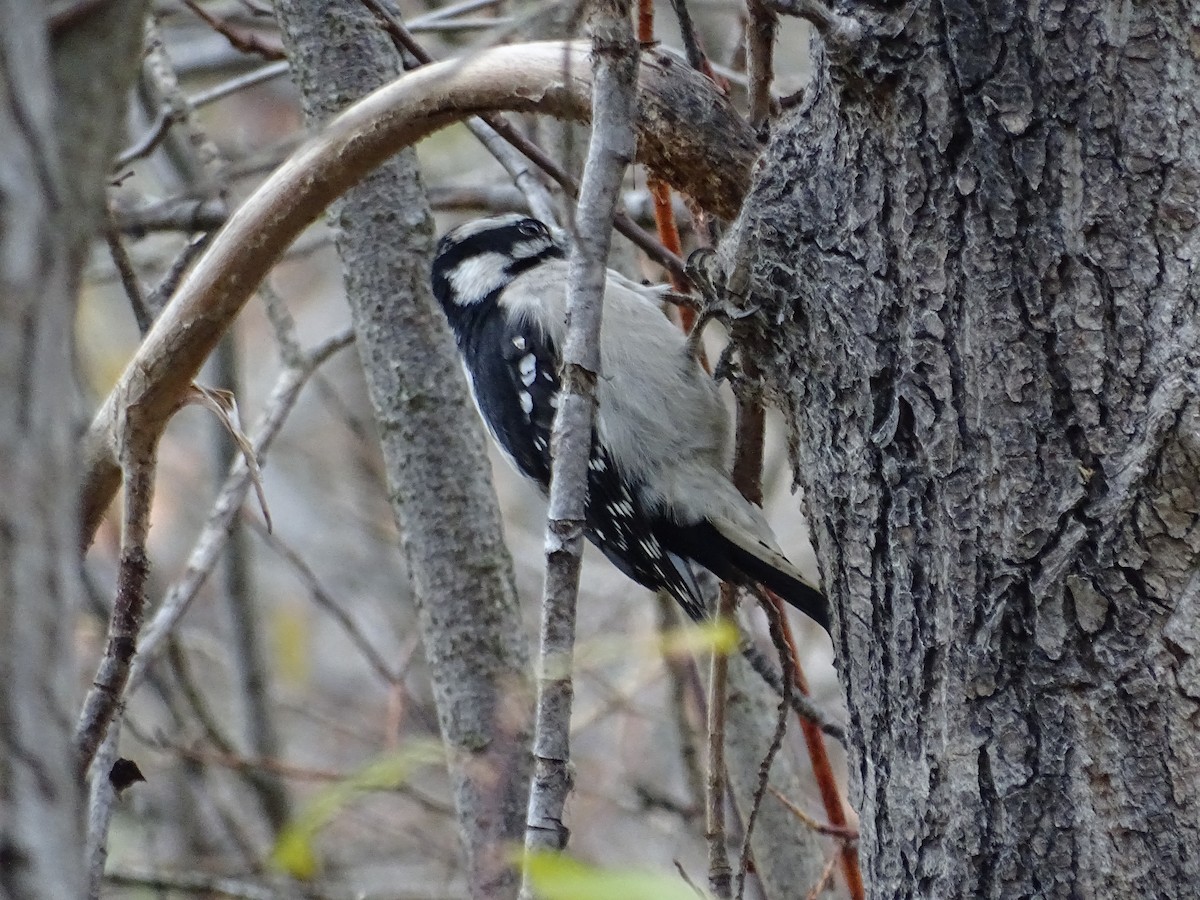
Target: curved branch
x,y
552,78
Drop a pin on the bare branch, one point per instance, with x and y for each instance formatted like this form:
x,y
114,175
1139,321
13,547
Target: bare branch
x,y
102,799
108,687
611,149
244,40
326,601
775,617
801,704
240,83
842,833
831,26
760,59
719,874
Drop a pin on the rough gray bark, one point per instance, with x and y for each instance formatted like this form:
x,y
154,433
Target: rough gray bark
x,y
975,250
433,447
53,159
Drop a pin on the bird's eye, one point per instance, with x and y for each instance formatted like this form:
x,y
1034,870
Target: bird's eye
x,y
531,228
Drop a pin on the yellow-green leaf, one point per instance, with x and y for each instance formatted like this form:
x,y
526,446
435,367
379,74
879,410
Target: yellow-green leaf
x,y
295,852
558,877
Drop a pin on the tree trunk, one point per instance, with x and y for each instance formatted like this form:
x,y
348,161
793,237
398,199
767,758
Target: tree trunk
x,y
974,247
59,120
433,446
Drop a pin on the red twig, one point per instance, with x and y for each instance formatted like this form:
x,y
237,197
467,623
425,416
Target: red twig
x,y
822,769
645,22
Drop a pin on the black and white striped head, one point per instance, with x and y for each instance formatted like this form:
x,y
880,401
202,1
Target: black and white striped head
x,y
477,260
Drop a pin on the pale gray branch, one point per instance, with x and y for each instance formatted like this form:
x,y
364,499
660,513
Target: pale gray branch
x,y
610,151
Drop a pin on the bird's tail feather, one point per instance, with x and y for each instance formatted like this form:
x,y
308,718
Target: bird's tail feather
x,y
763,564
733,554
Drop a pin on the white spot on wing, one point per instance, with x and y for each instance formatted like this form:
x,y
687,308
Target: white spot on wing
x,y
519,342
526,401
528,369
620,508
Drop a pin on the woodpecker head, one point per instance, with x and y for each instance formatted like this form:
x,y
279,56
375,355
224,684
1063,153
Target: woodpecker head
x,y
475,261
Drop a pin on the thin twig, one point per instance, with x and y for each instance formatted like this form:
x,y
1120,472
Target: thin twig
x,y
148,142
822,768
610,149
684,682
188,214
323,599
157,298
834,28
225,508
248,766
129,279
108,687
801,705
181,671
692,49
687,879
242,40
843,834
719,873
258,76
775,617
823,881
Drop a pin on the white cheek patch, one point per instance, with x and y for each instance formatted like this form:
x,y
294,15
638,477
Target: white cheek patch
x,y
473,279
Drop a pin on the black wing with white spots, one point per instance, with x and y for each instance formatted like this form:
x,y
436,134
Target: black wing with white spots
x,y
627,533
516,387
514,376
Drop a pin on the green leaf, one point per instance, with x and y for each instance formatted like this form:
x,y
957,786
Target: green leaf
x,y
558,877
295,852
